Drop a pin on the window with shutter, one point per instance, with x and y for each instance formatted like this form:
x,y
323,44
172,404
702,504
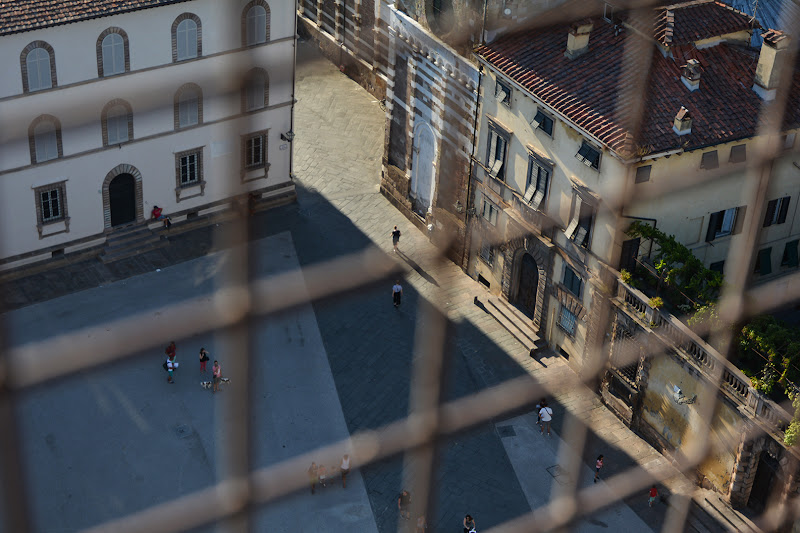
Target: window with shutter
x,y
503,93
542,122
777,211
790,254
496,154
537,182
572,281
764,262
589,156
709,161
727,222
738,154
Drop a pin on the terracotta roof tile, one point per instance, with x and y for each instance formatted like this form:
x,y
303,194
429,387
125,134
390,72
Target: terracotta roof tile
x,y
690,22
24,15
585,89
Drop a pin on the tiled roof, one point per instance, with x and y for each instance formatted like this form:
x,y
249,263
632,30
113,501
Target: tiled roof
x,y
695,21
586,89
24,15
770,13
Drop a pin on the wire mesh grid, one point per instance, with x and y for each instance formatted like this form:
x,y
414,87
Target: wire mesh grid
x,y
241,489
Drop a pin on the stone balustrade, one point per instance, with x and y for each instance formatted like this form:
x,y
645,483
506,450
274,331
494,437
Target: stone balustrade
x,y
706,359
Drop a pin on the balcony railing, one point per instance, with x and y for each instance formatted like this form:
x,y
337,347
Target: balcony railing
x,y
706,359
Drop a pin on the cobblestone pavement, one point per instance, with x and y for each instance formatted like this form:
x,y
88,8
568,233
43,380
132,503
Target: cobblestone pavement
x,y
340,130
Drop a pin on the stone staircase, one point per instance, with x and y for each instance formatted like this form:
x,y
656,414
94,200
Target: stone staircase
x,y
129,242
514,321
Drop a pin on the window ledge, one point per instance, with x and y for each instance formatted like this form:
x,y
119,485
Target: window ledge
x,y
48,229
255,173
193,190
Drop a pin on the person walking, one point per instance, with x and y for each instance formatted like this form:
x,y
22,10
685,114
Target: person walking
x,y
322,474
203,359
216,373
469,524
395,238
546,416
312,476
653,495
397,293
170,365
344,468
404,503
597,466
422,524
538,412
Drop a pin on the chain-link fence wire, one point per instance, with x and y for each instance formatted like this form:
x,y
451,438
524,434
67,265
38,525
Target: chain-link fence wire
x,y
239,302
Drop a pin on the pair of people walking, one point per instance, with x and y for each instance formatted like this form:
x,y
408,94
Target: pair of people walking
x,y
318,474
216,369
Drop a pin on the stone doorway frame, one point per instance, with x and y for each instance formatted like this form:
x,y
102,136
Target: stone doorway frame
x,y
123,168
512,266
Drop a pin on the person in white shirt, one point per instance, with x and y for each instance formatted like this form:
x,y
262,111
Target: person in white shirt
x,y
545,415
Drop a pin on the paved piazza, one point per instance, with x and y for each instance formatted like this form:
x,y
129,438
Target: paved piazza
x,y
116,440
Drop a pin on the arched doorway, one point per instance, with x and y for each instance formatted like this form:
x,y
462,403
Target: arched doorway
x,y
122,199
528,285
422,176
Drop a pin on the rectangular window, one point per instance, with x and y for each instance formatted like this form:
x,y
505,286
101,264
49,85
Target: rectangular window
x,y
589,156
50,204
503,93
188,112
189,167
567,321
487,254
490,212
709,161
498,146
719,266
580,225
777,211
738,154
537,182
727,222
764,262
790,254
643,173
572,281
543,122
255,151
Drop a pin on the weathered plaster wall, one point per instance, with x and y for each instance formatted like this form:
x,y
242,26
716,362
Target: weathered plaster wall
x,y
679,425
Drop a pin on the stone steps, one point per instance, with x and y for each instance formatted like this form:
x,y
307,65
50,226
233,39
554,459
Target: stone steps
x,y
130,242
514,321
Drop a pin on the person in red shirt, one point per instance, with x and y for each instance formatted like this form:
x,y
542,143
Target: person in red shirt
x,y
156,214
653,495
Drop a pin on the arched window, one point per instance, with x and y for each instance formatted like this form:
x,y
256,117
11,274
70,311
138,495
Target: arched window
x,y
256,90
112,52
44,137
255,23
188,106
187,40
38,67
117,120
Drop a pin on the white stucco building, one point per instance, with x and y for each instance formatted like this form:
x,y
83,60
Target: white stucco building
x,y
111,108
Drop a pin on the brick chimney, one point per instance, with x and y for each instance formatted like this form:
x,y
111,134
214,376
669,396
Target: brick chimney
x,y
768,71
690,74
682,125
578,38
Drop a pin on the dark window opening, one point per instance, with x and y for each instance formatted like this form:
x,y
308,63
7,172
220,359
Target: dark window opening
x,y
710,161
643,173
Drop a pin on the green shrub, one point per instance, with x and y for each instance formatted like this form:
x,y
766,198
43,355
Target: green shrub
x,y
656,302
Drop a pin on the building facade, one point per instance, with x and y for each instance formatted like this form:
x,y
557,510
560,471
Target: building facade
x,y
111,111
558,158
577,140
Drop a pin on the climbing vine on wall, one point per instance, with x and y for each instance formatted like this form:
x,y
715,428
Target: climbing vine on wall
x,y
677,266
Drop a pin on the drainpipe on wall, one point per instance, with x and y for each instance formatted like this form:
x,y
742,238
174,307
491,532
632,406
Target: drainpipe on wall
x,y
294,89
468,240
